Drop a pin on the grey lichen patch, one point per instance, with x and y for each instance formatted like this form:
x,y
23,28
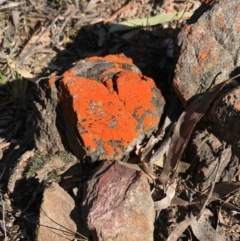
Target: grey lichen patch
x,y
49,167
37,162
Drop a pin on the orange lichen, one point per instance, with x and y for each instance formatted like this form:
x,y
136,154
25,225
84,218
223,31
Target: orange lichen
x,y
238,9
110,114
221,21
237,106
235,20
108,83
215,57
203,55
208,1
100,115
187,28
133,98
149,122
238,28
121,58
52,79
196,69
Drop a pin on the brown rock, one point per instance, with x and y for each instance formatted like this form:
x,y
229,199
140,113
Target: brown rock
x,y
55,222
43,166
49,158
118,204
225,113
205,151
206,161
112,105
208,48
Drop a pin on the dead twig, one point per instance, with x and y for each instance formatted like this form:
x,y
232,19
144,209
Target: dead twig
x,y
69,17
210,192
3,217
27,52
10,5
118,12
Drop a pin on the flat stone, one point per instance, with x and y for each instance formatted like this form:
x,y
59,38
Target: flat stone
x,y
111,104
118,204
55,222
208,48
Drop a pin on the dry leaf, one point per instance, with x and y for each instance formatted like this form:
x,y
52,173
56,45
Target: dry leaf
x,y
166,201
181,227
220,191
19,69
203,230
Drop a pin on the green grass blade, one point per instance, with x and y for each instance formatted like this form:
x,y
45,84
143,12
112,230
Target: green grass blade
x,y
143,22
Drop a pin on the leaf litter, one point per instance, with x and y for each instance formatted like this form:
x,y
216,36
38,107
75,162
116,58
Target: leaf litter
x,y
28,52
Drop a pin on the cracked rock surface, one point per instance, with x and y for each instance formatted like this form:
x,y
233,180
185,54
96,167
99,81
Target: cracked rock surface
x,y
111,104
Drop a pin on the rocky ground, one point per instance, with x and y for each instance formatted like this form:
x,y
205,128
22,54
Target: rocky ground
x,y
119,130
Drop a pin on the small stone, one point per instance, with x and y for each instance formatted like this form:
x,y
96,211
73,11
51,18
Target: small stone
x,y
111,104
55,222
118,204
226,220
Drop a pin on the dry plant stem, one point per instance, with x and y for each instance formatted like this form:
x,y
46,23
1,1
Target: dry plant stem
x,y
225,158
214,198
180,229
77,4
14,65
3,217
222,163
2,1
168,122
64,229
3,171
163,147
154,140
210,192
24,55
118,12
10,5
65,23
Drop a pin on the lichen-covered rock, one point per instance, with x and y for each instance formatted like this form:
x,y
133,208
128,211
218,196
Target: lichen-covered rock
x,y
117,204
111,104
208,48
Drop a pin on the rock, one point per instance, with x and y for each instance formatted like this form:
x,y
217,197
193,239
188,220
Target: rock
x,y
46,121
118,204
50,156
225,113
205,150
110,104
207,49
205,155
18,171
55,221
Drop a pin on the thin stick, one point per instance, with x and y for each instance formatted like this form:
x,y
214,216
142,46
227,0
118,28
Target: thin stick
x,y
118,12
3,217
